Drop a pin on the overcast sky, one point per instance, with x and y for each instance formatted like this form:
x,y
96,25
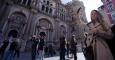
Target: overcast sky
x,y
89,5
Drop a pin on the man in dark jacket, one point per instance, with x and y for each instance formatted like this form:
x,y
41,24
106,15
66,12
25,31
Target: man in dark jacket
x,y
73,47
34,46
3,48
111,43
10,53
41,45
62,48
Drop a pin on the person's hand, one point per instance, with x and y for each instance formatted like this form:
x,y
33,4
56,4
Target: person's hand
x,y
101,31
94,30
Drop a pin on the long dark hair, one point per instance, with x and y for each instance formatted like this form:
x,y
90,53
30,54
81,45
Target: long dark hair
x,y
99,19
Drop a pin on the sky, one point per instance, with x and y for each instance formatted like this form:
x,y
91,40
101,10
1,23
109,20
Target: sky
x,y
89,5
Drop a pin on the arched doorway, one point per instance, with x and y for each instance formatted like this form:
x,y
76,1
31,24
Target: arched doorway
x,y
14,25
44,25
13,33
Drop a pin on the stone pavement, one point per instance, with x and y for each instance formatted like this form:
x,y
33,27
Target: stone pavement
x,y
27,56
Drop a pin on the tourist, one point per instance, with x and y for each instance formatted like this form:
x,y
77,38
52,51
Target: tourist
x,y
101,32
73,47
34,47
41,45
62,48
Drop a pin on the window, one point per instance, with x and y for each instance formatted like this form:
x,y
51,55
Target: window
x,y
43,7
110,7
51,4
47,9
50,10
48,2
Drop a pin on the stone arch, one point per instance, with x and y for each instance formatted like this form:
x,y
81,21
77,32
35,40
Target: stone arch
x,y
17,18
46,20
44,25
13,33
50,20
16,21
18,13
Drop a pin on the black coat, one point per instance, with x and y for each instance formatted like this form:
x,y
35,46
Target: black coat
x,y
41,44
4,46
73,47
62,45
13,46
111,44
34,44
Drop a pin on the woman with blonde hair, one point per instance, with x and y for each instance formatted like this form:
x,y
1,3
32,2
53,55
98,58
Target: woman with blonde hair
x,y
101,33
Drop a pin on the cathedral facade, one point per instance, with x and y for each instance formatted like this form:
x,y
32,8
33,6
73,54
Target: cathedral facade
x,y
24,18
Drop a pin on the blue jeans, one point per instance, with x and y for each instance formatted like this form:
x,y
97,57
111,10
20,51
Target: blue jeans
x,y
9,55
62,54
41,54
33,55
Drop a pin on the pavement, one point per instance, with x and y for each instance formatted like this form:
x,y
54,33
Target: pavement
x,y
27,56
80,56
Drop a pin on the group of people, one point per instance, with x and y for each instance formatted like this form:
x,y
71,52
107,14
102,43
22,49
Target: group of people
x,y
101,46
9,49
67,48
38,46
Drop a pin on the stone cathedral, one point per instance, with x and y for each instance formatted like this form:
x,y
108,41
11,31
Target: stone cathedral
x,y
24,18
